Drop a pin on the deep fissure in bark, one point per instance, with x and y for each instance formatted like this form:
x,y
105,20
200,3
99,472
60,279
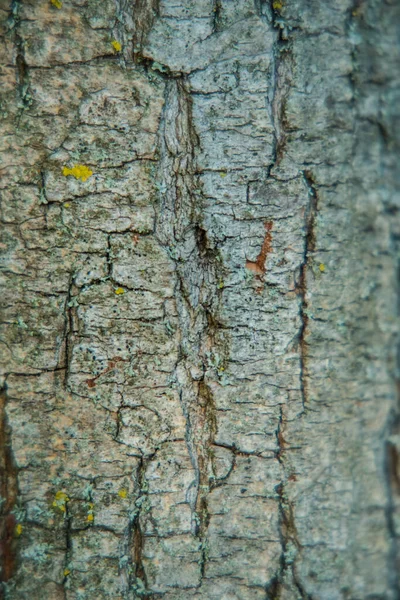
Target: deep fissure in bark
x,y
137,535
131,565
217,14
305,268
9,493
286,576
68,546
198,271
144,14
67,334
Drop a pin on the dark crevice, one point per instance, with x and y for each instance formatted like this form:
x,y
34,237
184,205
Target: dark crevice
x,y
280,77
199,282
145,13
152,66
309,248
68,546
262,8
392,462
286,577
217,14
137,536
22,73
208,423
131,562
9,494
68,332
392,476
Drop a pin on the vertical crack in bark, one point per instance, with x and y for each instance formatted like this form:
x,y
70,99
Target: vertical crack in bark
x,y
216,15
68,332
144,14
22,74
137,539
262,7
68,546
208,424
309,248
392,462
392,472
131,567
9,493
198,271
286,579
286,576
281,70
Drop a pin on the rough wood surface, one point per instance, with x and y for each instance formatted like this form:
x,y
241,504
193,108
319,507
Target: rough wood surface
x,y
201,279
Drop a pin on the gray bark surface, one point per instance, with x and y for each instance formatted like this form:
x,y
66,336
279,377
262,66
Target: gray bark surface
x,y
200,392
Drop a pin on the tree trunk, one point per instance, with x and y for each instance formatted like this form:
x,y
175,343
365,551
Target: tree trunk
x,y
201,243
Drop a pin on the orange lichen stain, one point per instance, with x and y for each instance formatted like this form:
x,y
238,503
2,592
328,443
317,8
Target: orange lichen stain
x,y
56,3
111,364
19,529
135,239
78,171
116,45
258,266
119,291
123,493
60,501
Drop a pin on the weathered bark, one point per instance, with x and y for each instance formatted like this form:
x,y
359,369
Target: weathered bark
x,y
200,393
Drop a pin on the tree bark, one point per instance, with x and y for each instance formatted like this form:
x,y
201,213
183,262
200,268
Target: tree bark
x,y
201,280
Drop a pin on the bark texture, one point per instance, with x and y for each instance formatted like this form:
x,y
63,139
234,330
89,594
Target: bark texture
x,y
201,280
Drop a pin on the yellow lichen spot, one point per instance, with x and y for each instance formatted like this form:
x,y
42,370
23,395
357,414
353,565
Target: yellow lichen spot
x,y
277,5
67,205
60,500
56,3
91,505
78,171
119,291
116,45
61,496
322,267
223,174
18,529
123,493
90,517
66,572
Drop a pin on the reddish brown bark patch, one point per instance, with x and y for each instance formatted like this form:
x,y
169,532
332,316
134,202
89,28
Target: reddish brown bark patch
x,y
258,266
